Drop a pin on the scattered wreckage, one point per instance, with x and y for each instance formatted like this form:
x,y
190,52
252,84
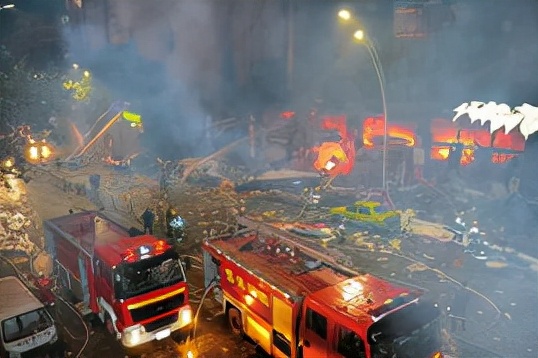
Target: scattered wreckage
x,y
374,213
17,221
14,236
409,223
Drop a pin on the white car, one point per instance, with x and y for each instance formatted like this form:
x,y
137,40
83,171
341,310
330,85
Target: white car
x,y
26,327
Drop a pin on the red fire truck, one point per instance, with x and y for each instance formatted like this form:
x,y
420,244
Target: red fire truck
x,y
135,284
295,302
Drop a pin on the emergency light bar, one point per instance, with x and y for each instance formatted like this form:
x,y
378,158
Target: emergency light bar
x,y
142,252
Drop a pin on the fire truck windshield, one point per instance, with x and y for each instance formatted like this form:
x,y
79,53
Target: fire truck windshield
x,y
136,278
411,332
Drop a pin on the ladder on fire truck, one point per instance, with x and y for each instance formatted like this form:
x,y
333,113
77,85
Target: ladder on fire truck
x,y
312,249
298,242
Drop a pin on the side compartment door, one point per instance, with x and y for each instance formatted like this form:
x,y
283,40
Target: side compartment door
x,y
315,338
346,343
84,267
103,280
282,328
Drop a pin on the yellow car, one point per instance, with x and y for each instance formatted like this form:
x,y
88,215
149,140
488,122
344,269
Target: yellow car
x,y
368,211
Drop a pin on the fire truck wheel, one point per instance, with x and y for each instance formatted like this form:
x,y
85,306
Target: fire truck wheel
x,y
236,323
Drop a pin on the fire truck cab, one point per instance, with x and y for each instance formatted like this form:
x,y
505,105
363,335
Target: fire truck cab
x,y
294,302
135,285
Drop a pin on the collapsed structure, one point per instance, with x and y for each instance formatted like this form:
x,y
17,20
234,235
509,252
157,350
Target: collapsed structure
x,y
113,138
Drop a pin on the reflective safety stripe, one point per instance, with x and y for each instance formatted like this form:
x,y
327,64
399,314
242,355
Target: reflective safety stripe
x,y
133,306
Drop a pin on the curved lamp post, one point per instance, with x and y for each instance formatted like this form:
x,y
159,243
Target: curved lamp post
x,y
361,36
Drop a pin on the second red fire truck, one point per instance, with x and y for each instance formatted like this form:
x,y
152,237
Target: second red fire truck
x,y
294,302
135,285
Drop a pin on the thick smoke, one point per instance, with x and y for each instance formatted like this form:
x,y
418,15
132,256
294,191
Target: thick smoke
x,y
475,50
178,62
158,58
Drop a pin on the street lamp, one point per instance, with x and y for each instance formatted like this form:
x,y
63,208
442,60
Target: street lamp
x,y
8,6
361,36
344,15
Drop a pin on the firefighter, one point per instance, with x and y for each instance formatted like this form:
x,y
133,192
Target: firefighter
x,y
175,225
455,155
341,232
148,219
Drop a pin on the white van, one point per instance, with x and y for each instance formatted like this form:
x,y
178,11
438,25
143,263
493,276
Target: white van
x,y
26,327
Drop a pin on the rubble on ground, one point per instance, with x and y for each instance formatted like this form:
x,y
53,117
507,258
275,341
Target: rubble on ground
x,y
209,172
123,193
19,224
498,213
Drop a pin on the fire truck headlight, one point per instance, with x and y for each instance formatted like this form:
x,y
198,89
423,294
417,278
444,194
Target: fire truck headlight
x,y
133,334
185,316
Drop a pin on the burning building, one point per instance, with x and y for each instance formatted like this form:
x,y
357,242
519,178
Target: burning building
x,y
517,127
336,157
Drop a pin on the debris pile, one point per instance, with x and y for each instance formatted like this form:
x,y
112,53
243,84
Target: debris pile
x,y
18,223
127,194
495,210
200,171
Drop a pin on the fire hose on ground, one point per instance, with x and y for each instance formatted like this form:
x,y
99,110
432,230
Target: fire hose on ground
x,y
21,276
214,283
451,279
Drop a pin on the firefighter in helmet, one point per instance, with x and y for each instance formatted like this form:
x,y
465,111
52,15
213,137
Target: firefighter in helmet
x,y
175,225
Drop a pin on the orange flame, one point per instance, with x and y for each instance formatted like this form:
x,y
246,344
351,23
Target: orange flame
x,y
335,158
287,115
513,140
398,134
445,132
78,136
